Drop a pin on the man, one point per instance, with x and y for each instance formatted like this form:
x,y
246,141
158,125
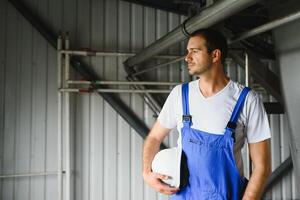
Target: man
x,y
211,102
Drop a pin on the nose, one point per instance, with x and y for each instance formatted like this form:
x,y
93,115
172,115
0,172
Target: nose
x,y
188,57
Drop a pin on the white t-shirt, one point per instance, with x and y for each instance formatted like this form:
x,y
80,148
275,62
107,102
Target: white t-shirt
x,y
212,114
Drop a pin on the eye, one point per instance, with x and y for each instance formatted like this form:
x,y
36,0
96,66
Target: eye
x,y
195,50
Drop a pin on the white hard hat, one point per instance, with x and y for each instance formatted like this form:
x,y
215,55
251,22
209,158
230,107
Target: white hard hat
x,y
172,162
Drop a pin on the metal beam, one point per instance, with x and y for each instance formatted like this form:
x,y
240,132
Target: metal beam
x,y
35,21
279,172
262,74
116,103
110,54
208,17
265,27
124,83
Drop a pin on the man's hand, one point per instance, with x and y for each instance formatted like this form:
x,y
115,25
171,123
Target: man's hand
x,y
155,181
151,147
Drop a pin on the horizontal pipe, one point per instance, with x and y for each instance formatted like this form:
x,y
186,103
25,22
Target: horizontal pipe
x,y
208,17
245,35
176,59
111,54
122,83
86,90
263,28
28,174
158,66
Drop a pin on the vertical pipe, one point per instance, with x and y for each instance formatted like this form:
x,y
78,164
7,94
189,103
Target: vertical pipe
x,y
67,120
246,70
59,122
247,85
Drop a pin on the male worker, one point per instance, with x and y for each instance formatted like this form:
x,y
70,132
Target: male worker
x,y
214,116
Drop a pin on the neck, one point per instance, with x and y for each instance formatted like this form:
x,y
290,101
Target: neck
x,y
213,81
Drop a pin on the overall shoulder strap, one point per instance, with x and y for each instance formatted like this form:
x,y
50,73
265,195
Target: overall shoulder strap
x,y
237,109
186,117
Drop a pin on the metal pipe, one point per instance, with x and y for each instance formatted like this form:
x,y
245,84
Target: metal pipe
x,y
28,174
59,121
199,21
246,70
67,121
112,54
86,90
268,26
177,59
158,66
247,85
208,17
245,35
148,98
122,109
122,83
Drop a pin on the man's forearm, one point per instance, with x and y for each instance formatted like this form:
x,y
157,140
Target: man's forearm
x,y
257,183
151,147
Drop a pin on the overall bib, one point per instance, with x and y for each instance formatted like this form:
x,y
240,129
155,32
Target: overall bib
x,y
211,163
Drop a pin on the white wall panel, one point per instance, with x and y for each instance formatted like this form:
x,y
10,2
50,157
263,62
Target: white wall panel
x,y
10,100
23,137
3,21
124,130
106,152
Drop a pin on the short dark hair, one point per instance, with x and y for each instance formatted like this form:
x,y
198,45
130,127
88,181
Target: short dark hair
x,y
214,40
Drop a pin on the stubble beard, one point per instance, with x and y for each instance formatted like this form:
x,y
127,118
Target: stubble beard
x,y
199,71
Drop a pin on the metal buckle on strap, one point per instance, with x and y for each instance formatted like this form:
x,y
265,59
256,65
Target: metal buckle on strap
x,y
231,125
186,118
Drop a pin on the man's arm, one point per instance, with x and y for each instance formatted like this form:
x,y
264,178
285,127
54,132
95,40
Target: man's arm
x,y
151,147
261,158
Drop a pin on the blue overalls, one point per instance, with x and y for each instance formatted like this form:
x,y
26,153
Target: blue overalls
x,y
211,163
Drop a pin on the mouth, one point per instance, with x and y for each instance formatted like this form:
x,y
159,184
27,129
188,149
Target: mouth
x,y
190,65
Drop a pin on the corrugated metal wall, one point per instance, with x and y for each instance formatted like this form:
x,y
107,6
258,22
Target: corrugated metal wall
x,y
106,158
28,107
106,151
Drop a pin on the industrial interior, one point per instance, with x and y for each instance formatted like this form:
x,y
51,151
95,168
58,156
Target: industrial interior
x,y
82,83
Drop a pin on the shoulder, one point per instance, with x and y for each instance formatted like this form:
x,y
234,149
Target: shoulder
x,y
236,89
177,90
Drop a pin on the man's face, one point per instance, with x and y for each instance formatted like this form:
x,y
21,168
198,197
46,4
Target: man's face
x,y
197,58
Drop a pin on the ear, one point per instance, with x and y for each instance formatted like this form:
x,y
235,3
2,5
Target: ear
x,y
216,55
